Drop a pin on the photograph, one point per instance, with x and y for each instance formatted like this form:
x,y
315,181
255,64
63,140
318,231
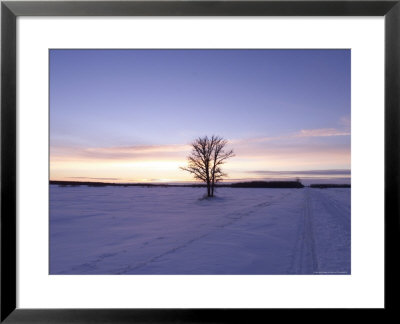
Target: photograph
x,y
199,161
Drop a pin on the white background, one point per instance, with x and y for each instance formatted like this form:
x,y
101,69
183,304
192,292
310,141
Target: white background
x,y
363,288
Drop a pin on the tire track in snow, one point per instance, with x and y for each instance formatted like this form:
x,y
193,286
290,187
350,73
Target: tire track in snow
x,y
337,211
234,216
305,259
334,234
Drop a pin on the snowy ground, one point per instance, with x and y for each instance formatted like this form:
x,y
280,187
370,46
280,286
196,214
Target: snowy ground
x,y
155,230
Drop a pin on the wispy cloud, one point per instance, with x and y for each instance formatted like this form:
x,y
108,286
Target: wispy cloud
x,y
140,149
141,152
316,132
344,172
90,178
322,132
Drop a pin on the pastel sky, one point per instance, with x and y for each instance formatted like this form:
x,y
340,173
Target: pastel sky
x,y
130,115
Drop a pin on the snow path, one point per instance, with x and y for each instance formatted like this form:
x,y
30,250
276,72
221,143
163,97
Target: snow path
x,y
324,234
305,259
139,230
333,232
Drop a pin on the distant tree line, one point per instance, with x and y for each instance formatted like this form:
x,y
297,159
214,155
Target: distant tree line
x,y
330,185
268,184
252,184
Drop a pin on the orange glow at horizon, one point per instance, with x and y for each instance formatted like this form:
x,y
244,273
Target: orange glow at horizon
x,y
166,168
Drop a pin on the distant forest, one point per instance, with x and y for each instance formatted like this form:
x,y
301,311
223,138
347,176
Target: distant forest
x,y
249,184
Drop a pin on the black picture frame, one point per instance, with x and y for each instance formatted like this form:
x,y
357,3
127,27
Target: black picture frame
x,y
10,10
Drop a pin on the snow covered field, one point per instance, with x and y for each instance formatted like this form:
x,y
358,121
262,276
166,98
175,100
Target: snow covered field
x,y
156,230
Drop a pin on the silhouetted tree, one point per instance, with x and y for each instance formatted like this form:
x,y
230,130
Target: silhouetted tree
x,y
206,159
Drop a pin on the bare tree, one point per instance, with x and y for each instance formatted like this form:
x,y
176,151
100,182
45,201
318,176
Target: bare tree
x,y
206,159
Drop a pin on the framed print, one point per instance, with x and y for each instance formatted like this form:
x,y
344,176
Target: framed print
x,y
193,161
221,175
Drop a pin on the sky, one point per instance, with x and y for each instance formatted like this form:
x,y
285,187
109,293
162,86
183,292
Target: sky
x,y
130,115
